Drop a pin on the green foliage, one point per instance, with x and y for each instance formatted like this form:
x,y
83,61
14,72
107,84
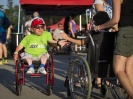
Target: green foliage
x,y
1,6
12,12
83,18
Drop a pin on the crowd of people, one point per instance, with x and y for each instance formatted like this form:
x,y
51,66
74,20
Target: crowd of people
x,y
114,37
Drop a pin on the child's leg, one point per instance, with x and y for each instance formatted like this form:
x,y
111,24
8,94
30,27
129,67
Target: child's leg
x,y
29,61
31,67
43,59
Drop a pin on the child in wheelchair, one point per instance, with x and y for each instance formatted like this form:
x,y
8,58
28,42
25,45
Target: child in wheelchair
x,y
35,46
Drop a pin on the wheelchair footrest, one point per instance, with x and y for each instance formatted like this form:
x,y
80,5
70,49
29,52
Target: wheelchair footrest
x,y
35,75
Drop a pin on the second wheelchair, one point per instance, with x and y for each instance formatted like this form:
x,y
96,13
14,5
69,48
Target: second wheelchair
x,y
84,71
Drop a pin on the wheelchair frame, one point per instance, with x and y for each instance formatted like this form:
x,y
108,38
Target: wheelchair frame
x,y
20,74
91,69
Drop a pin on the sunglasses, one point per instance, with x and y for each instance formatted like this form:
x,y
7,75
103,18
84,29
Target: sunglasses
x,y
39,27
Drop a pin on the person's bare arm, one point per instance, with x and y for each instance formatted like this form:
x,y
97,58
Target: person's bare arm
x,y
116,15
54,37
99,7
79,42
9,32
52,41
19,47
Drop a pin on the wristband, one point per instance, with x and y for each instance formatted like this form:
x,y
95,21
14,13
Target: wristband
x,y
58,42
15,52
98,27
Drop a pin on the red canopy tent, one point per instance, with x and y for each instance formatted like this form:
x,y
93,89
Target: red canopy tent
x,y
56,7
53,7
54,26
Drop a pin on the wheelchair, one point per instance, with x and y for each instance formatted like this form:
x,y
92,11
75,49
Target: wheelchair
x,y
85,70
20,73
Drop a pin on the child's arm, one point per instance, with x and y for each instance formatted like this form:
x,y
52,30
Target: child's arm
x,y
19,47
52,41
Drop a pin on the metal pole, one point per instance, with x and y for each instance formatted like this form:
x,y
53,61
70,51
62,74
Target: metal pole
x,y
86,16
80,22
18,25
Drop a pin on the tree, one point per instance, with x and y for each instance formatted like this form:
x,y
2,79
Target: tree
x,y
1,6
12,12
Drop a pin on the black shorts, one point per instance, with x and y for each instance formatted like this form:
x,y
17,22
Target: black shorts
x,y
2,37
106,44
106,48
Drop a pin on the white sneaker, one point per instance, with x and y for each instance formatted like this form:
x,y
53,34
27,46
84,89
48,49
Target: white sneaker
x,y
42,70
30,71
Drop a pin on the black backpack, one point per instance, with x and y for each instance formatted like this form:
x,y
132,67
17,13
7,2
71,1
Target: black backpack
x,y
6,22
101,17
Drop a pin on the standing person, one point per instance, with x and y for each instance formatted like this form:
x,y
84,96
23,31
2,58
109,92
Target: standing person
x,y
72,28
36,46
123,53
66,24
4,24
35,14
27,26
27,23
105,40
99,37
56,35
67,31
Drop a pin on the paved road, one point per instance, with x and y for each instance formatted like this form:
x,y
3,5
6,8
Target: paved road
x,y
35,87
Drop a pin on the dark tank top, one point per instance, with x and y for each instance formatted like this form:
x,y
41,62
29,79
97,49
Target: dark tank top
x,y
126,17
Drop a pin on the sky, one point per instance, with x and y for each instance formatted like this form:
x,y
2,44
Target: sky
x,y
4,2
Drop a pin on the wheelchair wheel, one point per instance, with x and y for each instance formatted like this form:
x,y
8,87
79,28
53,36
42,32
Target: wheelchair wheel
x,y
117,91
18,77
50,75
80,74
66,83
49,90
104,91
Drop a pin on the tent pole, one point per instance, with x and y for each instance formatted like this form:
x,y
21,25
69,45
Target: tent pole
x,y
80,22
18,26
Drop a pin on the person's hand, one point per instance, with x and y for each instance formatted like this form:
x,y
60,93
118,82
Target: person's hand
x,y
15,57
7,37
96,28
64,35
114,28
63,42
